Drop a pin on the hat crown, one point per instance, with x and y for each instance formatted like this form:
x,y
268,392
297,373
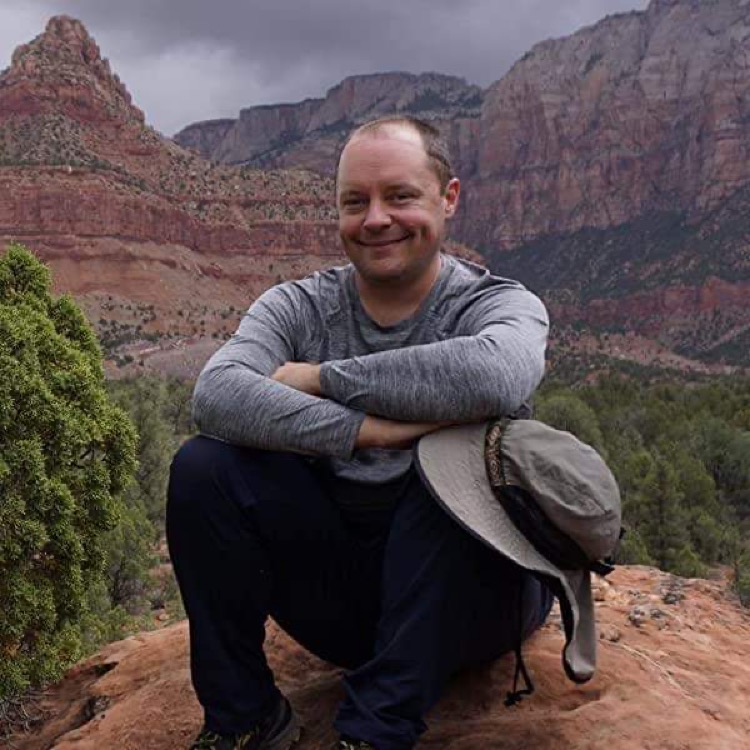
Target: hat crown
x,y
569,480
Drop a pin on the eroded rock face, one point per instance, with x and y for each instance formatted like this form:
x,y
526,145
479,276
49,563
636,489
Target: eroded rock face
x,y
642,112
642,118
309,134
674,671
163,250
62,72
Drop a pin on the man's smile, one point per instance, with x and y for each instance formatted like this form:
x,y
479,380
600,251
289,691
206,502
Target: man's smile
x,y
382,243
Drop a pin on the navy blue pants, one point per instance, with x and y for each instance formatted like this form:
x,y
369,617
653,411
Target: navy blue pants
x,y
401,606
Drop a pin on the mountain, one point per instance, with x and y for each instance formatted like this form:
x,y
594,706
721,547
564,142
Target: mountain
x,y
673,673
162,248
310,133
608,169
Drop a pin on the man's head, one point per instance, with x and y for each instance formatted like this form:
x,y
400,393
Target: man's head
x,y
394,191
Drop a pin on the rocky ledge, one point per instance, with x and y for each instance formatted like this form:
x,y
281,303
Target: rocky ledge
x,y
674,672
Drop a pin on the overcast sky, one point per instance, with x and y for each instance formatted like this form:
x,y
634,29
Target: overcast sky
x,y
188,60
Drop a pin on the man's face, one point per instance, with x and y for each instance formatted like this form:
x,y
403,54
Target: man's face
x,y
392,211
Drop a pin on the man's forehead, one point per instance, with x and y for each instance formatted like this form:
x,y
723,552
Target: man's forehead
x,y
390,130
394,133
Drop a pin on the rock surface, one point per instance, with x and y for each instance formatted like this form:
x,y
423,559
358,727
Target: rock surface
x,y
641,119
309,134
674,672
165,249
642,111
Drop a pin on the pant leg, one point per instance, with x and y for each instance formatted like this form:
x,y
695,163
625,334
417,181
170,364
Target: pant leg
x,y
251,533
448,602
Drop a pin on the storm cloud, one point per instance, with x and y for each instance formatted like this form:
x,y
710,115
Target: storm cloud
x,y
188,60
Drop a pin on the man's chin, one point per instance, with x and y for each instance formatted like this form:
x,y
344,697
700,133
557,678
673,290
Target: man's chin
x,y
381,273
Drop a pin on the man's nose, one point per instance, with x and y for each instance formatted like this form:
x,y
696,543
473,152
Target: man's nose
x,y
377,216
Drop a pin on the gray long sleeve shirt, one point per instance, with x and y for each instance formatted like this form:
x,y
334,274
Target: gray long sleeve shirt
x,y
473,350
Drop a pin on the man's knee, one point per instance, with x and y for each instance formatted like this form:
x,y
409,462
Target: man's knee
x,y
202,472
196,461
206,473
418,515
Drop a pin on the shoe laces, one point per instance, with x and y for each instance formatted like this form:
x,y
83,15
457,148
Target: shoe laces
x,y
354,745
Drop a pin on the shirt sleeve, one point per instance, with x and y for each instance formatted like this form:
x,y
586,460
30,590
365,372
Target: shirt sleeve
x,y
488,368
236,400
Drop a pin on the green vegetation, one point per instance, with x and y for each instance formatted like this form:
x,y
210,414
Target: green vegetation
x,y
681,455
66,454
84,467
83,494
133,587
660,250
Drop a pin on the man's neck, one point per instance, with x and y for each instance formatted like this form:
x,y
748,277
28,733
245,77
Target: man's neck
x,y
388,304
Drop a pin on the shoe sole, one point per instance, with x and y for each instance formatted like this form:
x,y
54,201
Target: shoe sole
x,y
288,738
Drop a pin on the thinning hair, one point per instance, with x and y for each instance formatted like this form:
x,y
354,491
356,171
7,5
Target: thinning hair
x,y
433,142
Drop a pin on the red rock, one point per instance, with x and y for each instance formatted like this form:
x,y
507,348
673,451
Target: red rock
x,y
642,111
683,686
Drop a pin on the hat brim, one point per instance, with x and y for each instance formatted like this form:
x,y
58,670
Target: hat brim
x,y
452,466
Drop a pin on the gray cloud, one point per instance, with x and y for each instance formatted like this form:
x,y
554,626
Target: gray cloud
x,y
185,60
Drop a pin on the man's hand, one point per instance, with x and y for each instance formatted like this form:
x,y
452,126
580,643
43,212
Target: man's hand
x,y
374,432
302,376
387,433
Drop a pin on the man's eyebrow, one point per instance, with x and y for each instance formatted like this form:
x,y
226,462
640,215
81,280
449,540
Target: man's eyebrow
x,y
403,186
347,192
390,187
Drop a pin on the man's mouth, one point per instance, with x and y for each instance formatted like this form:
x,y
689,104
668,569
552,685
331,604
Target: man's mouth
x,y
382,243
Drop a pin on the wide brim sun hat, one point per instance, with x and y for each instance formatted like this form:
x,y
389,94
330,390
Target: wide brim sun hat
x,y
498,477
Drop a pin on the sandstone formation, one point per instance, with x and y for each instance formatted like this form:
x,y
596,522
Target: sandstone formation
x,y
310,133
163,249
674,672
642,119
644,111
31,86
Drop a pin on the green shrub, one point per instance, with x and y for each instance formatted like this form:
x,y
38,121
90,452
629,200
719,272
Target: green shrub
x,y
66,453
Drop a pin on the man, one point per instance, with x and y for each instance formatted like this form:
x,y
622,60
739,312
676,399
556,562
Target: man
x,y
300,500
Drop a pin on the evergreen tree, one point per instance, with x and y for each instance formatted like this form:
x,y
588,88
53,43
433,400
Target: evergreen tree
x,y
565,411
66,453
146,402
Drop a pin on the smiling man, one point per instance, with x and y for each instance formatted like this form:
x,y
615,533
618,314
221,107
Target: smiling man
x,y
300,500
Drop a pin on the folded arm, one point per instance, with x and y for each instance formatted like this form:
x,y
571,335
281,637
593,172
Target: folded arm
x,y
489,369
237,400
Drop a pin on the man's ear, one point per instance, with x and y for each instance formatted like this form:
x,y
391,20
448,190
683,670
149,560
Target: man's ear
x,y
450,197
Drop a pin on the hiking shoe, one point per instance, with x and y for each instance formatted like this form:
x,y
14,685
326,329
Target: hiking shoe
x,y
278,731
349,744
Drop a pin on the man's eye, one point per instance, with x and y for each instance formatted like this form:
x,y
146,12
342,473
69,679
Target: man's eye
x,y
402,197
353,202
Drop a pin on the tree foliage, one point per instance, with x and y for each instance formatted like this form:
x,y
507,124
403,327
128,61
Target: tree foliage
x,y
66,453
681,455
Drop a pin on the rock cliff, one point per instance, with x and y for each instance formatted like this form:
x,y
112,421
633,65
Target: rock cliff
x,y
163,248
309,134
673,673
642,112
606,170
62,72
641,120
